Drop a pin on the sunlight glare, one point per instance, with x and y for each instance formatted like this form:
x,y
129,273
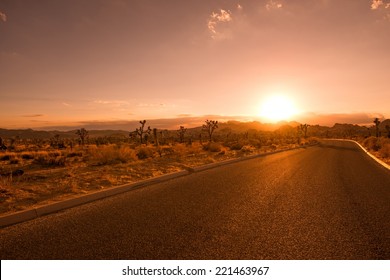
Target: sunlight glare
x,y
277,108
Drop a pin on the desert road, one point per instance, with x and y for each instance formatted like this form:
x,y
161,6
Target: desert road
x,y
330,201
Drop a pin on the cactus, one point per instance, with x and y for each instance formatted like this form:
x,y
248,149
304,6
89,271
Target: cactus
x,y
303,129
3,147
377,122
141,132
181,132
156,142
83,135
209,127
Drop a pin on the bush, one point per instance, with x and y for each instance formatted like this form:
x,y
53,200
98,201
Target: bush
x,y
144,153
46,159
9,156
5,157
212,147
236,146
385,150
27,156
74,154
111,155
255,143
371,143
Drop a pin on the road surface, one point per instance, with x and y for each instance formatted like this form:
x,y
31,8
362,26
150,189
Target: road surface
x,y
325,202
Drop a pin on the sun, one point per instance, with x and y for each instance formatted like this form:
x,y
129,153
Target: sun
x,y
277,108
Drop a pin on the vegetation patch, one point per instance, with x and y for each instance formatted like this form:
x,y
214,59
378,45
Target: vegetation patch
x,y
39,171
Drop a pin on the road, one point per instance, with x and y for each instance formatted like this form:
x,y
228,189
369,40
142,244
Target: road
x,y
324,202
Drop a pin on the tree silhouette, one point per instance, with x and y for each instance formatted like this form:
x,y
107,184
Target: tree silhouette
x,y
209,127
377,122
156,142
181,132
303,129
3,147
141,132
83,134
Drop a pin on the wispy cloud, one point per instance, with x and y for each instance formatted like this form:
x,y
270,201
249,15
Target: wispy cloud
x,y
383,7
375,4
3,16
114,103
33,116
273,4
380,4
217,18
151,105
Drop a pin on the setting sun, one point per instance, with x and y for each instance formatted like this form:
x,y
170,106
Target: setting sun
x,y
277,108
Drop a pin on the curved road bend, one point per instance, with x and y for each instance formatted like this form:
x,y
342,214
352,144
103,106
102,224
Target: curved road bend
x,y
325,202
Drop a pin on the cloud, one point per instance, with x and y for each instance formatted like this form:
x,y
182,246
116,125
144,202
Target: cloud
x,y
33,116
375,4
3,16
273,4
331,119
216,18
154,105
380,4
113,103
383,7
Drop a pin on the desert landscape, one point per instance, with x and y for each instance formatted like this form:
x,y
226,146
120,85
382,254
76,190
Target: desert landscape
x,y
36,171
195,130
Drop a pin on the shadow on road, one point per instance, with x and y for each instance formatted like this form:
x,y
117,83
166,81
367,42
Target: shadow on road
x,y
339,147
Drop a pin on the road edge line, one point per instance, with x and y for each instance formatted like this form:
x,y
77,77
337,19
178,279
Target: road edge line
x,y
384,164
39,211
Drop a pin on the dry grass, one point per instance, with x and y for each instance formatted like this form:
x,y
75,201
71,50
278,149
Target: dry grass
x,y
52,175
111,154
379,147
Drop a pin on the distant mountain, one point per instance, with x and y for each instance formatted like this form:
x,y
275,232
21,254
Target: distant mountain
x,y
337,130
40,134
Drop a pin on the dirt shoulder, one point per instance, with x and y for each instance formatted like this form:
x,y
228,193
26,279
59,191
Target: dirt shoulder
x,y
50,176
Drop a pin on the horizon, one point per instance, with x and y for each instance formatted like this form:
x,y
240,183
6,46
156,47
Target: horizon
x,y
69,63
198,121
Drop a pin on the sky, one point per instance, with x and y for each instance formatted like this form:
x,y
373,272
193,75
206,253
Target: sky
x,y
73,62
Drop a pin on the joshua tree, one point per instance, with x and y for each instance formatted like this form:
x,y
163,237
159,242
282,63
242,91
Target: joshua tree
x,y
156,142
209,127
303,129
377,122
83,134
141,132
2,145
181,132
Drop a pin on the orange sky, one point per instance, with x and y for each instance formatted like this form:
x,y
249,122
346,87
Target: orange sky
x,y
65,62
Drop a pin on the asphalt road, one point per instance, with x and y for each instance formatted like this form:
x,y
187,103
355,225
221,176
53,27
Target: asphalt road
x,y
325,202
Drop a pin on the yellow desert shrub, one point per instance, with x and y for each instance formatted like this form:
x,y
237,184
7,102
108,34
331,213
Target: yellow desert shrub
x,y
385,150
111,154
49,159
371,143
145,152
